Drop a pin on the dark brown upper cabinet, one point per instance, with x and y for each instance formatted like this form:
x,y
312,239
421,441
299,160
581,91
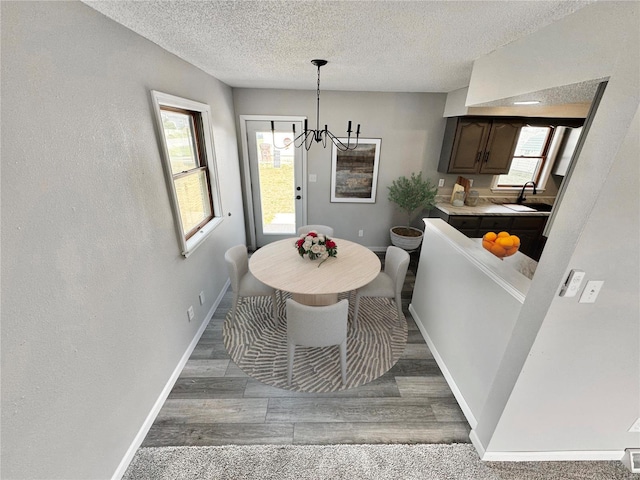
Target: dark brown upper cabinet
x,y
478,145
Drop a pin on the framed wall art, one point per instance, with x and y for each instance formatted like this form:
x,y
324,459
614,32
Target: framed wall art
x,y
354,173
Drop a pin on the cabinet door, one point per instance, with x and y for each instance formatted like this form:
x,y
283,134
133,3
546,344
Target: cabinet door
x,y
466,225
529,230
468,147
495,224
500,147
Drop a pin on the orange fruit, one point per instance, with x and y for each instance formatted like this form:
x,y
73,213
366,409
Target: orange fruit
x,y
516,240
490,236
505,242
498,250
487,244
511,251
503,234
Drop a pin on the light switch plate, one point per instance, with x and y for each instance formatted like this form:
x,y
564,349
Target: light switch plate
x,y
572,284
591,291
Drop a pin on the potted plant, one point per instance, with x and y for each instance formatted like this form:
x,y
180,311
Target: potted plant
x,y
412,195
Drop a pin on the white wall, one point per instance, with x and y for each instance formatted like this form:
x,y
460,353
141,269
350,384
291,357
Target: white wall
x,y
94,289
455,105
410,125
579,47
588,356
465,302
568,358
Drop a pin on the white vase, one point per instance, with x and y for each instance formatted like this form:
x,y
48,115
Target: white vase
x,y
408,243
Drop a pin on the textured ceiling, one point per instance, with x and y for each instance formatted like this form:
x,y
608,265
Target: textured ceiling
x,y
393,46
582,92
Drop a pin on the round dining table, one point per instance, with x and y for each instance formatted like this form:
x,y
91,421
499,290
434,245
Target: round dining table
x,y
310,282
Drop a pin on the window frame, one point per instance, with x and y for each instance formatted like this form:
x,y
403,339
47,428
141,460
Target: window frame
x,y
548,156
201,122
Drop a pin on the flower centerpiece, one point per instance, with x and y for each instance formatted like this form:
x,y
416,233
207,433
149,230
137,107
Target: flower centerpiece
x,y
316,246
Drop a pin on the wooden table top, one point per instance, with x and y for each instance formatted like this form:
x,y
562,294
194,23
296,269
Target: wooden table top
x,y
279,265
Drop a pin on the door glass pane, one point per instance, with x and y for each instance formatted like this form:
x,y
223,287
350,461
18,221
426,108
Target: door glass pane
x,y
277,182
193,199
180,138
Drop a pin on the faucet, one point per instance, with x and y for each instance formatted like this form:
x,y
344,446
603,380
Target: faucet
x,y
521,197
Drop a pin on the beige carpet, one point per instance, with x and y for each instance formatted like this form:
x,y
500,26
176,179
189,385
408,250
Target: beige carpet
x,y
258,346
353,462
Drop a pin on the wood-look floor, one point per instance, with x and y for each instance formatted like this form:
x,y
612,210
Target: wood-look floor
x,y
215,403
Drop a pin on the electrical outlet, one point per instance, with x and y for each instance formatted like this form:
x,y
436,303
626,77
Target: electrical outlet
x,y
635,428
591,291
441,182
191,313
361,233
201,297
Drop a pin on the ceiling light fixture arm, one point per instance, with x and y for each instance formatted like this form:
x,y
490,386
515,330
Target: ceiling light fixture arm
x,y
307,137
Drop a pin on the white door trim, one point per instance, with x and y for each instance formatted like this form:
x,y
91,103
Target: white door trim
x,y
247,172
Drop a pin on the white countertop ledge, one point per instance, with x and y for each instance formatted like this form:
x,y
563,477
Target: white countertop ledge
x,y
503,272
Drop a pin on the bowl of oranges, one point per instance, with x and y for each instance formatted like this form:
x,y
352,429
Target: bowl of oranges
x,y
501,244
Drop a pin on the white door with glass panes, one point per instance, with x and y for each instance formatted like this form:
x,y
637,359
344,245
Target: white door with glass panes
x,y
276,171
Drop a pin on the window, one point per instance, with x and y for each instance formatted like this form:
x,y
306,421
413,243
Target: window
x,y
529,158
185,132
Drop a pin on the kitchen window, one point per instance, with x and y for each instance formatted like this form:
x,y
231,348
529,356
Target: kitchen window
x,y
529,159
187,150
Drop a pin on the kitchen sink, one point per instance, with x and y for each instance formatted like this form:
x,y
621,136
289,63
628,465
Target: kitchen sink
x,y
539,207
528,207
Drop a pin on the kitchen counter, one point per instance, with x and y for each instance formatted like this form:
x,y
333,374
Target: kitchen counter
x,y
488,216
485,209
518,261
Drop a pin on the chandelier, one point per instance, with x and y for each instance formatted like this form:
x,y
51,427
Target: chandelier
x,y
308,136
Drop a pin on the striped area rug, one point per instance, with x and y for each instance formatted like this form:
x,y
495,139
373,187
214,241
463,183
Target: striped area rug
x,y
259,347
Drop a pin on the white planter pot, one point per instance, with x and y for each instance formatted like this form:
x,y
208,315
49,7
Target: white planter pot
x,y
406,242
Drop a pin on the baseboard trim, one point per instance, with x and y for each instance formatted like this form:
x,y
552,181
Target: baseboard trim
x,y
473,436
473,422
146,425
561,456
551,456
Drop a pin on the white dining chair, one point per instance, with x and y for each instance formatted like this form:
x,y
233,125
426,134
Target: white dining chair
x,y
311,326
243,283
323,229
387,284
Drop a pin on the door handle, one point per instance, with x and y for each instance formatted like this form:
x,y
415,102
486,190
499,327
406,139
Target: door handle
x,y
486,157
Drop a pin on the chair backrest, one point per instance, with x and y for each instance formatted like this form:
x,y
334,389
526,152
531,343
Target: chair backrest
x,y
317,326
318,228
237,263
396,264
